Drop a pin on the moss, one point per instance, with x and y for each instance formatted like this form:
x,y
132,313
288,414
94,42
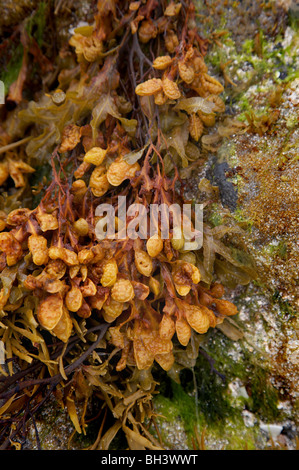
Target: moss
x,y
200,398
35,26
215,217
10,73
178,405
292,121
212,407
243,441
276,249
253,373
293,20
263,397
213,401
40,177
247,46
242,219
285,309
244,106
36,23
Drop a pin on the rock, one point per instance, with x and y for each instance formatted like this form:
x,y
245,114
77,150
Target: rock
x,y
272,430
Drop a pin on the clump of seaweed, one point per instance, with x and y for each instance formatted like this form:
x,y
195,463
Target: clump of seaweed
x,y
83,316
